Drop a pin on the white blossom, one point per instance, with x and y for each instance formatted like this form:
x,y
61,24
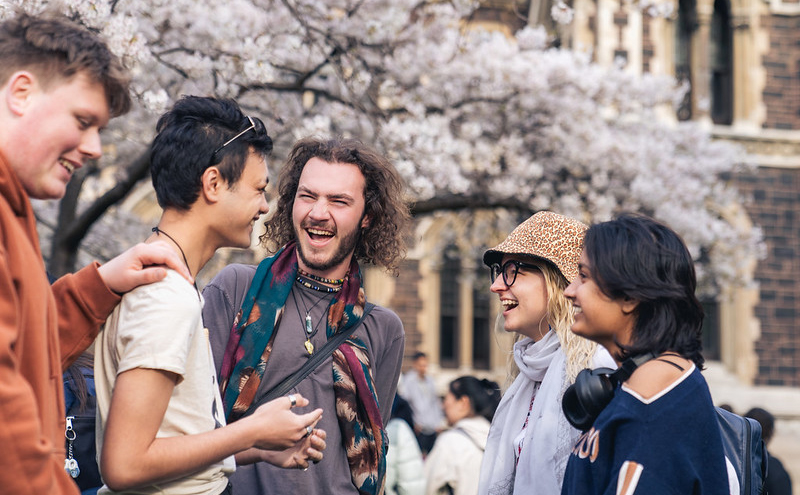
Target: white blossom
x,y
462,112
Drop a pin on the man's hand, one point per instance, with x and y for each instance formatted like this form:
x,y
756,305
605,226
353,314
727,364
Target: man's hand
x,y
141,265
299,456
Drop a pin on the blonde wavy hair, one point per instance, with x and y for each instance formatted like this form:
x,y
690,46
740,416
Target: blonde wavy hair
x,y
578,350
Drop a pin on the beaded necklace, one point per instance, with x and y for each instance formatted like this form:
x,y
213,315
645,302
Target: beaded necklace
x,y
306,282
331,281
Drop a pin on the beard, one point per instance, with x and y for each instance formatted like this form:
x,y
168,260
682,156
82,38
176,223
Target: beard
x,y
346,248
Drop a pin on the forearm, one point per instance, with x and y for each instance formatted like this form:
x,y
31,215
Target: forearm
x,y
166,459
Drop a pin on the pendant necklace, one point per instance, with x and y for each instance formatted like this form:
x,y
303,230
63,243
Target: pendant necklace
x,y
310,329
185,261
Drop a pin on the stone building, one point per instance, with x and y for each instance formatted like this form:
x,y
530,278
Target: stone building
x,y
742,60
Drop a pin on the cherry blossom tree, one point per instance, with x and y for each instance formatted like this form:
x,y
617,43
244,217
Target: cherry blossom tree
x,y
473,118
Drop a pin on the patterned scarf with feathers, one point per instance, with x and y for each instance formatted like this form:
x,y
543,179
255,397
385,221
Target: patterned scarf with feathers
x,y
250,344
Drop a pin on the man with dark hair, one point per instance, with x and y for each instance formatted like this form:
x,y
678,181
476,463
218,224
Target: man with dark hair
x,y
340,203
60,85
778,481
162,428
419,389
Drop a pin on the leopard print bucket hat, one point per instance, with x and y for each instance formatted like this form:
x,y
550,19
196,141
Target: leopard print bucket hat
x,y
546,235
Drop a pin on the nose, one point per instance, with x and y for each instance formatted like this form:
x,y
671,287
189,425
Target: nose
x,y
263,208
569,292
498,285
319,211
90,145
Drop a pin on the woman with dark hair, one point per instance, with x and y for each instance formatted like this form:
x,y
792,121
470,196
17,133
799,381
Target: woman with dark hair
x,y
454,463
635,295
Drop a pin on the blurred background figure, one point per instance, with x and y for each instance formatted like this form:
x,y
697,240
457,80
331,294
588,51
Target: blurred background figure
x,y
419,389
454,463
404,468
778,481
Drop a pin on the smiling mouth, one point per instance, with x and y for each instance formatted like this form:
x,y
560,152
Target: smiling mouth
x,y
67,165
509,304
318,234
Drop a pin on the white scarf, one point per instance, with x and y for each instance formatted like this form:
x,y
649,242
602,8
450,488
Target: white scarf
x,y
548,436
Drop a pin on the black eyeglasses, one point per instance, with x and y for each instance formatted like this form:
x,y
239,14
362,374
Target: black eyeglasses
x,y
234,138
509,269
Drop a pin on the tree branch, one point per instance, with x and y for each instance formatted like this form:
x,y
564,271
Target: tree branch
x,y
465,202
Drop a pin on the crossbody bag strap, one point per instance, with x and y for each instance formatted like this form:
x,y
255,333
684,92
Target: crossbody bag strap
x,y
316,359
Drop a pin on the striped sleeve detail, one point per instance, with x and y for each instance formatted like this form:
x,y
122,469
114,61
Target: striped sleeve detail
x,y
628,479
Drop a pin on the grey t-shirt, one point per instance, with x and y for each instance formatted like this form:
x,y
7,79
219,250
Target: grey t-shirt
x,y
381,331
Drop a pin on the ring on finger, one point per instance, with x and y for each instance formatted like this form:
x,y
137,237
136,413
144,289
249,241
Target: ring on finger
x,y
309,430
292,400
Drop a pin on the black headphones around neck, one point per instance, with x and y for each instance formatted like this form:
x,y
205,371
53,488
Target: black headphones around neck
x,y
594,389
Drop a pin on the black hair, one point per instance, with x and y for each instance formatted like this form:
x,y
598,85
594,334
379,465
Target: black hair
x,y
483,394
402,409
417,355
635,257
765,419
191,138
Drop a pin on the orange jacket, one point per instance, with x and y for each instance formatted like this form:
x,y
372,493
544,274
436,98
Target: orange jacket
x,y
42,330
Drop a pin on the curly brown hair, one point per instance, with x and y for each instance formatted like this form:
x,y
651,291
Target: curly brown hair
x,y
382,242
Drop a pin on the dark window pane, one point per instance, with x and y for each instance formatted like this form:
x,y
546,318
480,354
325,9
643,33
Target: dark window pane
x,y
448,324
711,331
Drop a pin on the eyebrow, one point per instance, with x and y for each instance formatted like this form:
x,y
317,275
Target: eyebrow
x,y
341,196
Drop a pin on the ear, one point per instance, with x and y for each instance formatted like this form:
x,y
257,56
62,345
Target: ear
x,y
628,305
365,221
22,85
212,184
465,405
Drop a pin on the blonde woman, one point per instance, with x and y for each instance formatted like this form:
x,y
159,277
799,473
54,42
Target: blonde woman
x,y
530,439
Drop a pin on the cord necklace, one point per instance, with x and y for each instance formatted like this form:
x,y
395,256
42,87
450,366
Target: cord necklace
x,y
158,231
310,329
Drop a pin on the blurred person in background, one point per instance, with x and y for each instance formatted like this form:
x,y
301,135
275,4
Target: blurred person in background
x,y
453,465
404,468
419,389
778,481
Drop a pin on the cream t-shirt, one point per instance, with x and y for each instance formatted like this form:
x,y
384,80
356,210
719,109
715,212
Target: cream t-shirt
x,y
159,326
